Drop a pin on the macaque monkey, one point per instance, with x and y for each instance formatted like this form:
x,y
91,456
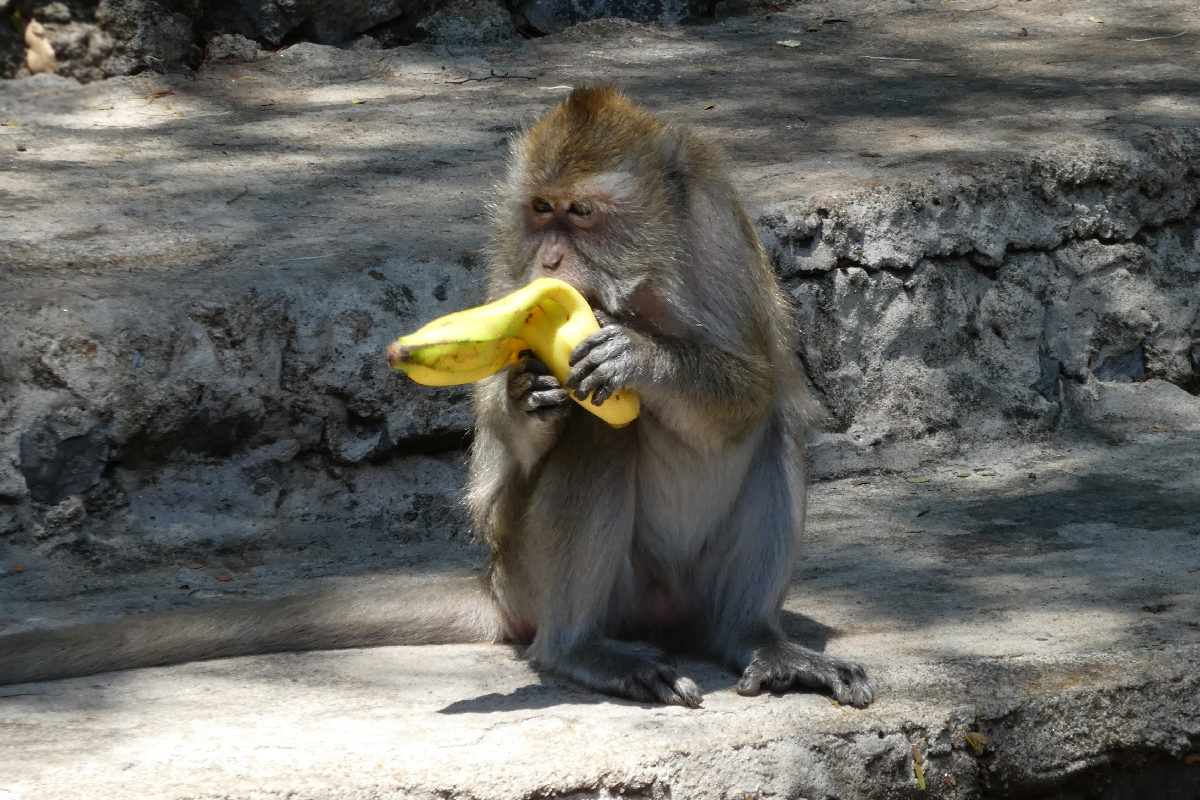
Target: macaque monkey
x,y
610,547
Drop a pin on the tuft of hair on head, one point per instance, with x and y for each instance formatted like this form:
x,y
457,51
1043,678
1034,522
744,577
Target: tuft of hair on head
x,y
587,100
595,129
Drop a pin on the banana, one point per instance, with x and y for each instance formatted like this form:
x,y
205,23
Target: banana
x,y
548,317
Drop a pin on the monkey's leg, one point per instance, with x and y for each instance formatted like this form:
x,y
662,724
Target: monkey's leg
x,y
574,558
745,601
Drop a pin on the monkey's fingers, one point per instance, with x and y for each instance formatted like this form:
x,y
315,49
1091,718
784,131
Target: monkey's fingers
x,y
688,693
528,362
547,402
536,393
632,670
545,391
603,317
676,690
604,363
584,349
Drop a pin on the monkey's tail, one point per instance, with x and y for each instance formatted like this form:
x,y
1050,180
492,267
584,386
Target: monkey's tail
x,y
442,610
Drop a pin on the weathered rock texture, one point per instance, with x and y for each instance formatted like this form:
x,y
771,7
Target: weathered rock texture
x,y
95,39
1045,297
1054,296
554,16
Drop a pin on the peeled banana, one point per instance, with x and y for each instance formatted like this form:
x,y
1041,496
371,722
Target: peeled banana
x,y
548,317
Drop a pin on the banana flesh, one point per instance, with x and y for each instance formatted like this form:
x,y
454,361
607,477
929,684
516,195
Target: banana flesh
x,y
548,317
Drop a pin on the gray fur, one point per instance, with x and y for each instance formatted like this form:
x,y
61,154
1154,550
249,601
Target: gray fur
x,y
682,527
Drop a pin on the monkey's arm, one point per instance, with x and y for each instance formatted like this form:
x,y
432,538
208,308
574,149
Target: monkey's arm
x,y
519,414
523,408
705,394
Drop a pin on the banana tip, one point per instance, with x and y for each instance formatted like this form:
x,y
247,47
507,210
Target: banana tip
x,y
396,355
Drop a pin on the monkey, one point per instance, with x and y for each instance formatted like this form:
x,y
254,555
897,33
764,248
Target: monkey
x,y
611,548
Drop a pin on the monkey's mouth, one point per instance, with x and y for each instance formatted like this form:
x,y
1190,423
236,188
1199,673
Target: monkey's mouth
x,y
603,315
589,295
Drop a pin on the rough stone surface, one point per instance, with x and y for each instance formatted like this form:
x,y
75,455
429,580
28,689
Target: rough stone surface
x,y
470,22
95,39
554,16
1027,302
992,244
231,47
328,21
1048,603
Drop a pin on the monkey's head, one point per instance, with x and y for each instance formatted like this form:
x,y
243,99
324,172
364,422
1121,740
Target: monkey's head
x,y
592,197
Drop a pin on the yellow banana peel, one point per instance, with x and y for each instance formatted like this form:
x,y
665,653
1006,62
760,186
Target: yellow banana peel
x,y
548,317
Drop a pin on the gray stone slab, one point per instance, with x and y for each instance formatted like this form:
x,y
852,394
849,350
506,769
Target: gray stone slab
x,y
1048,603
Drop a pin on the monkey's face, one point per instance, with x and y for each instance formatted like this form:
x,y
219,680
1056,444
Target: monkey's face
x,y
589,200
557,224
576,233
595,234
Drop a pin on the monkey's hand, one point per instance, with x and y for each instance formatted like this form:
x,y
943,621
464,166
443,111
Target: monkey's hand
x,y
533,390
609,360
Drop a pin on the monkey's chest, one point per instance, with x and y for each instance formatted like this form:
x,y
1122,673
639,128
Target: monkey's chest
x,y
682,501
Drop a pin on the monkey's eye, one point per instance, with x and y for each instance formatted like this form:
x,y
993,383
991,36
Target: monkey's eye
x,y
540,206
583,214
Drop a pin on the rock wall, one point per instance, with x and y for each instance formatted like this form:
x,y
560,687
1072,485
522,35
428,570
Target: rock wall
x,y
1057,297
201,275
94,39
1059,294
243,416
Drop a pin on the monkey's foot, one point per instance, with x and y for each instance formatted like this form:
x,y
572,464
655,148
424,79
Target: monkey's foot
x,y
781,666
625,669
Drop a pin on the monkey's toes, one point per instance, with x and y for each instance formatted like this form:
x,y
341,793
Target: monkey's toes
x,y
793,666
663,685
857,691
687,693
851,686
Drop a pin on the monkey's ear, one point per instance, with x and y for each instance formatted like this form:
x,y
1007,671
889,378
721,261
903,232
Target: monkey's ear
x,y
675,148
673,145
